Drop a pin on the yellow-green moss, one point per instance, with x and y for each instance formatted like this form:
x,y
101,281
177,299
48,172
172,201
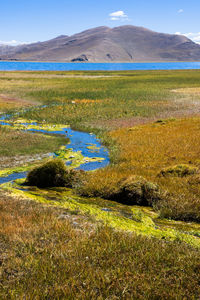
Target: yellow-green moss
x,y
23,124
93,148
142,221
68,155
76,157
25,168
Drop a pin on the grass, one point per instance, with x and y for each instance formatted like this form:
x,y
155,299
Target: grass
x,y
14,142
125,98
163,144
44,255
137,219
8,103
67,251
124,95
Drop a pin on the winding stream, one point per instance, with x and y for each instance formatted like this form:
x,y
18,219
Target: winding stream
x,y
141,220
85,143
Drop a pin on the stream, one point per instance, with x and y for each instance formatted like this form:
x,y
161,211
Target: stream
x,y
85,143
141,220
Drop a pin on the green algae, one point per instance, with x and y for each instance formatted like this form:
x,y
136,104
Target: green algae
x,y
75,157
140,220
93,149
23,124
9,171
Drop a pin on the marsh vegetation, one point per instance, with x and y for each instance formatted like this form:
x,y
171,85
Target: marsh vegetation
x,y
50,253
150,123
21,143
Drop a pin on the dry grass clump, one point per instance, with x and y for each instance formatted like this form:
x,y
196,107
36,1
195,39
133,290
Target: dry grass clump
x,y
183,206
137,190
44,256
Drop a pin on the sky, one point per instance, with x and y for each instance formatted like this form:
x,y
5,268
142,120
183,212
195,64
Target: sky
x,y
25,21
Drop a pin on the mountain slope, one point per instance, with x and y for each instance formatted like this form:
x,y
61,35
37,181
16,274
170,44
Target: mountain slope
x,y
104,44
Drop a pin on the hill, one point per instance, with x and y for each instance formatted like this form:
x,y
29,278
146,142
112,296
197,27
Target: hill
x,y
103,44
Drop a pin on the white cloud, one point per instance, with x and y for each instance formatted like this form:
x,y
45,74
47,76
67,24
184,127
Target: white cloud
x,y
180,11
13,43
194,36
118,16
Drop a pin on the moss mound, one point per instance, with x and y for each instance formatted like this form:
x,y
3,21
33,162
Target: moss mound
x,y
54,173
181,170
136,190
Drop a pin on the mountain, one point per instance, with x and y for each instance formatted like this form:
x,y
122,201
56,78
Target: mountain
x,y
104,44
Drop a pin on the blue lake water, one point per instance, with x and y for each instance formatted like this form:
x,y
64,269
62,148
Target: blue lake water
x,y
47,66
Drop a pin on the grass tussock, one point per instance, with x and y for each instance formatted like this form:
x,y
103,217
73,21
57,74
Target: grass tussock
x,y
53,173
44,256
179,171
132,190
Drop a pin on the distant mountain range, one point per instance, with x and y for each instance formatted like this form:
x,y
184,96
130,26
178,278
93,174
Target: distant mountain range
x,y
104,44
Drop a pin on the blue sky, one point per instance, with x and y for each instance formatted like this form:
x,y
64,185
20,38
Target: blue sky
x,y
39,20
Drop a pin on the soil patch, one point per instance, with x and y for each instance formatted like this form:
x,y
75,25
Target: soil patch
x,y
9,102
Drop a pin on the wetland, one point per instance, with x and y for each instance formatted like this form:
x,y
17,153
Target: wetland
x,y
132,132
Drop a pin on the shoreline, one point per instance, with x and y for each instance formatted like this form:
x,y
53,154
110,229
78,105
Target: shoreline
x,y
99,62
98,67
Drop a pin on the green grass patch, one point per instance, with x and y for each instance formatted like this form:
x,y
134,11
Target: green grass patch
x,y
121,96
15,142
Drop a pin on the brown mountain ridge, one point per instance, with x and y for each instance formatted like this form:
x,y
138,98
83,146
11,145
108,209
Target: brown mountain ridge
x,y
103,44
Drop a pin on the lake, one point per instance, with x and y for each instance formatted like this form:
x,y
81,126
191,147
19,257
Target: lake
x,y
53,66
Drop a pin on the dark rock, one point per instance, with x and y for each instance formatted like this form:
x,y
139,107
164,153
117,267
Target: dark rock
x,y
80,58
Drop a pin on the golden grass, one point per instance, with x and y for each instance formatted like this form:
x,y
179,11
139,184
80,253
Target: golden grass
x,y
145,150
84,101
